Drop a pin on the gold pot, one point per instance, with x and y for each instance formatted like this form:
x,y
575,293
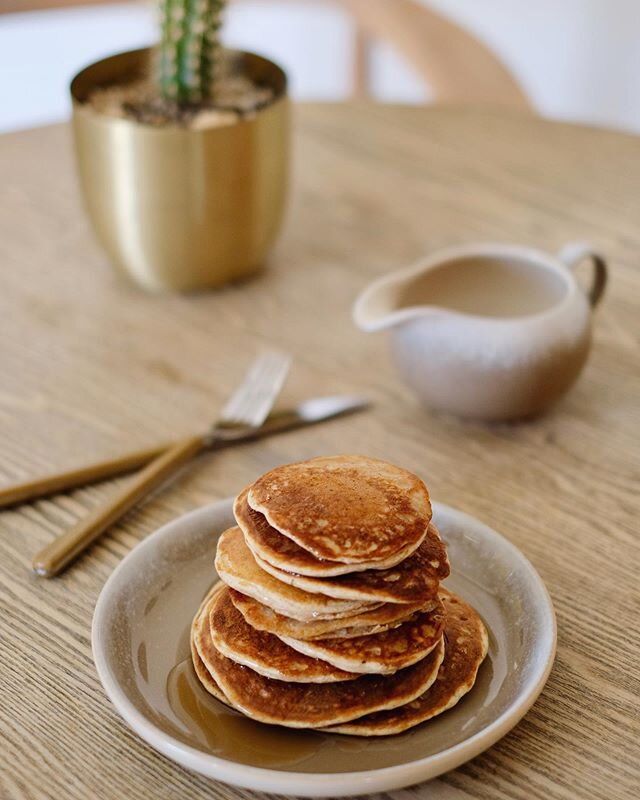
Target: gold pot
x,y
180,208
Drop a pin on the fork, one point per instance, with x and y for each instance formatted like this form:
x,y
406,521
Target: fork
x,y
245,411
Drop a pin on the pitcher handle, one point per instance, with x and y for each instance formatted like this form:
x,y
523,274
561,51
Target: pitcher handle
x,y
573,254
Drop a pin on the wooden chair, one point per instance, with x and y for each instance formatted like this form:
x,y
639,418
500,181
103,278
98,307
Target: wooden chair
x,y
456,66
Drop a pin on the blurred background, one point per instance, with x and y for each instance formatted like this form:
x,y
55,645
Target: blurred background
x,y
575,59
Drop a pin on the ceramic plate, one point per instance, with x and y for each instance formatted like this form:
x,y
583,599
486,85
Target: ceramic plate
x,y
141,648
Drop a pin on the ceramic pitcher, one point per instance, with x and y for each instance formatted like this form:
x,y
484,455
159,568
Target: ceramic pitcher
x,y
490,331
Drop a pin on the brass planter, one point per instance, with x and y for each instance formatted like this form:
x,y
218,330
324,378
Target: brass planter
x,y
177,208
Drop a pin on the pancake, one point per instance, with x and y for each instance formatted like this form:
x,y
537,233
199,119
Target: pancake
x,y
199,629
352,509
382,653
237,568
466,647
204,676
413,580
367,622
263,652
315,705
266,543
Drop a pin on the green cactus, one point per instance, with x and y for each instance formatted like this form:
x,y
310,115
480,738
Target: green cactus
x,y
190,50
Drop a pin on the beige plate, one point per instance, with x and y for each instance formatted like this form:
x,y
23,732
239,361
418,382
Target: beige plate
x,y
141,648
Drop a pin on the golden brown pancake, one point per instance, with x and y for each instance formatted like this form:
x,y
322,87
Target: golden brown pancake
x,y
263,652
346,508
412,581
199,629
381,653
465,649
389,615
204,676
266,543
237,568
314,705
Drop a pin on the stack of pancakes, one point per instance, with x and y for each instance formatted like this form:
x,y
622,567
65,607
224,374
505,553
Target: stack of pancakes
x,y
329,613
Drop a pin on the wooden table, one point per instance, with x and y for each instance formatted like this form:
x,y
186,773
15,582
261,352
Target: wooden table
x,y
91,366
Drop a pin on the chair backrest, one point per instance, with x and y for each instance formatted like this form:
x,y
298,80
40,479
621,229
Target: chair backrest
x,y
457,67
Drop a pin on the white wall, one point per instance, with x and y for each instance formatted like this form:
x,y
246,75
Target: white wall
x,y
40,52
578,59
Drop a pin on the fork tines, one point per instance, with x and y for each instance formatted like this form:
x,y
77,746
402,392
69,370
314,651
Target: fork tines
x,y
252,401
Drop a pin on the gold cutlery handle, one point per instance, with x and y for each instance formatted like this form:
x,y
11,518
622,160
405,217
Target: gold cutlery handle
x,y
55,556
63,481
114,467
276,422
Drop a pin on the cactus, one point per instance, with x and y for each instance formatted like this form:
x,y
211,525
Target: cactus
x,y
190,50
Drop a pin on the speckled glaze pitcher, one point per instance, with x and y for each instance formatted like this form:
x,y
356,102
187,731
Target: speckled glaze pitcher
x,y
489,331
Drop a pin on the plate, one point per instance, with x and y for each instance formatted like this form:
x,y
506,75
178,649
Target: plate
x,y
140,639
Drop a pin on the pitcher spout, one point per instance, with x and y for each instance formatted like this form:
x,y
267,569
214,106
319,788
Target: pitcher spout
x,y
382,305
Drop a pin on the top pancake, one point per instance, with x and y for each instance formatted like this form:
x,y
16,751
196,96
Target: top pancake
x,y
267,544
351,509
466,647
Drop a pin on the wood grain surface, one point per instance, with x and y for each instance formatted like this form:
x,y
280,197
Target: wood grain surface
x,y
90,366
